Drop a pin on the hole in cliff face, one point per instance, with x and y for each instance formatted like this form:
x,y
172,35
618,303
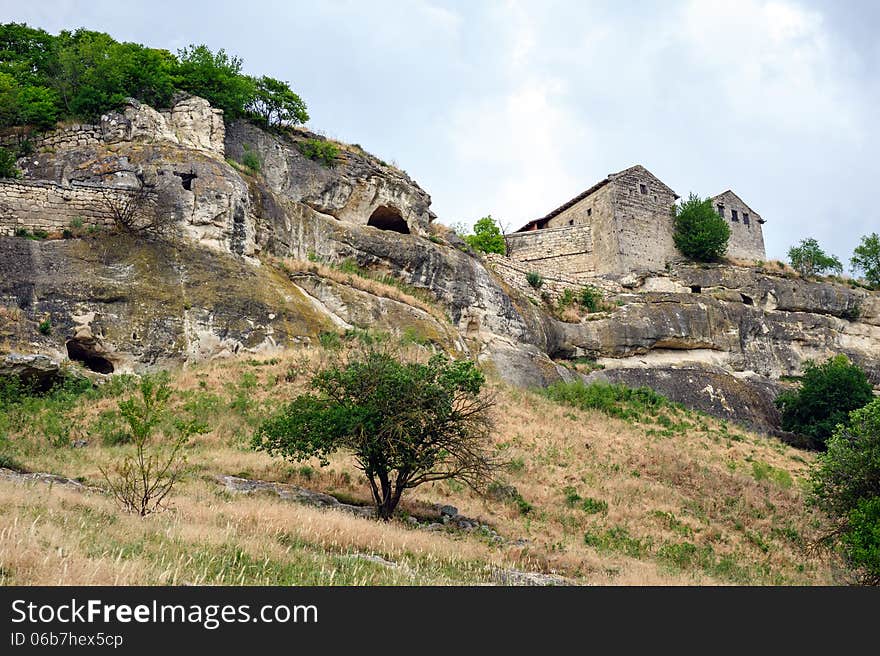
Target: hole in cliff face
x,y
186,179
696,289
80,352
747,299
388,218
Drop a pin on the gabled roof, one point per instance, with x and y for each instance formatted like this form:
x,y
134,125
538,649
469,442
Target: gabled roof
x,y
751,211
540,223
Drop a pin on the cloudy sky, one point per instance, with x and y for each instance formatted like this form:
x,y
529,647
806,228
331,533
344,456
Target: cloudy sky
x,y
511,108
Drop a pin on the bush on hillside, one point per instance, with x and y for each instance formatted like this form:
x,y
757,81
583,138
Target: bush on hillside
x,y
846,485
700,233
320,150
828,393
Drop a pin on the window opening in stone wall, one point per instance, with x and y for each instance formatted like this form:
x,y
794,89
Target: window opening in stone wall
x,y
571,222
734,216
745,218
589,211
720,209
696,289
644,189
388,218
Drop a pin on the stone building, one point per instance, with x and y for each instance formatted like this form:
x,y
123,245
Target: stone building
x,y
746,234
622,223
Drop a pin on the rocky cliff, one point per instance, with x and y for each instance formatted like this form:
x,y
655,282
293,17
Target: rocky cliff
x,y
242,276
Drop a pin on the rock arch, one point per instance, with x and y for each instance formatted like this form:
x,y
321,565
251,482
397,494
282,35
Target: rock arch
x,y
388,218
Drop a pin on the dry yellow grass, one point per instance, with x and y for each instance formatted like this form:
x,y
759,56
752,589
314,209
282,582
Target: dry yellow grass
x,y
707,506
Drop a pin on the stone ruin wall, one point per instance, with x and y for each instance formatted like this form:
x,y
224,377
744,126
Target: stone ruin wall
x,y
746,241
642,225
514,274
51,207
566,251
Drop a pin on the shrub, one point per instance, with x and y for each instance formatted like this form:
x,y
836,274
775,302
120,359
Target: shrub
x,y
808,259
7,165
700,233
590,299
828,392
45,326
406,423
487,237
846,484
535,280
142,481
319,150
251,159
866,259
274,103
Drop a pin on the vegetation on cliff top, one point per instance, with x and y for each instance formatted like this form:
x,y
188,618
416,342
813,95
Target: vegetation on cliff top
x,y
81,74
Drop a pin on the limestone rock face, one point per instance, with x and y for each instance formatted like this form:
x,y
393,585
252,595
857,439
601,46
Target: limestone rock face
x,y
353,190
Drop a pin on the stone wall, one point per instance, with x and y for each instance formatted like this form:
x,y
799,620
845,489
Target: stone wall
x,y
642,224
38,205
746,239
564,251
514,274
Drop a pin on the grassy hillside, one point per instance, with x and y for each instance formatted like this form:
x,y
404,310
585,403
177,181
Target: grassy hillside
x,y
626,489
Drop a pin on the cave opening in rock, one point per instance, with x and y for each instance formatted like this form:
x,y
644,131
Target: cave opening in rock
x,y
696,289
747,299
79,352
186,179
388,218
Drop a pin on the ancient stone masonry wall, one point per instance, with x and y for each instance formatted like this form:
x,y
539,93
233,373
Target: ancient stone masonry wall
x,y
565,251
37,205
746,239
642,222
514,274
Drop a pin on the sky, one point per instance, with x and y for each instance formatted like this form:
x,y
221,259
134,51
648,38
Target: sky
x,y
510,108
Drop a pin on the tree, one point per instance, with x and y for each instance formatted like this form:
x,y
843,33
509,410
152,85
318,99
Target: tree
x,y
866,258
700,233
487,237
274,103
141,481
406,423
846,484
828,393
216,77
808,259
7,165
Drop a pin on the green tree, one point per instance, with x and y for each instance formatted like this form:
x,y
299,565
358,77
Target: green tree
x,y
487,237
700,233
38,106
846,484
274,103
142,480
406,423
828,393
866,259
216,77
808,259
7,165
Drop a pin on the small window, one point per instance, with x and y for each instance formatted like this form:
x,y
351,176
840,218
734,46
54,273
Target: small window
x,y
571,222
696,289
644,189
720,209
734,216
745,218
589,211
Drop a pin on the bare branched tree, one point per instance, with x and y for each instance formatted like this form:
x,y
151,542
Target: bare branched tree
x,y
135,210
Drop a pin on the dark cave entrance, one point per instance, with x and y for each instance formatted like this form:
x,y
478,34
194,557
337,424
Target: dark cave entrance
x,y
186,179
80,352
388,218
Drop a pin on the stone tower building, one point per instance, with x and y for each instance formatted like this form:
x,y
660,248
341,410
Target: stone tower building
x,y
622,223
